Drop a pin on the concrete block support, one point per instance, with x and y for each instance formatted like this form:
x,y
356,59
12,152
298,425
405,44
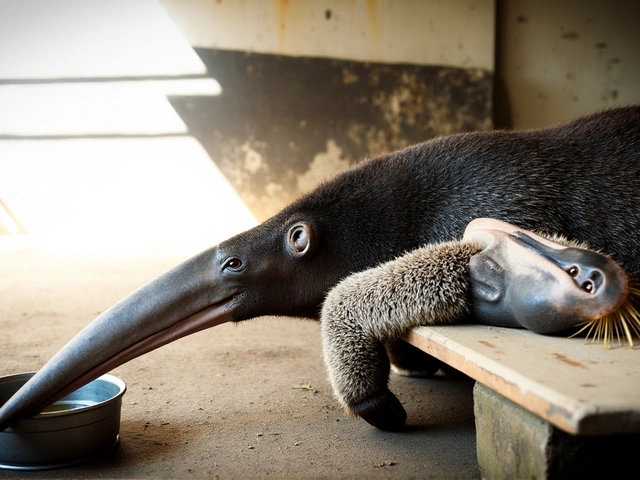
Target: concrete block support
x,y
514,443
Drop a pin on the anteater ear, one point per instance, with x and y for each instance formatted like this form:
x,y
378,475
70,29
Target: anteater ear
x,y
301,240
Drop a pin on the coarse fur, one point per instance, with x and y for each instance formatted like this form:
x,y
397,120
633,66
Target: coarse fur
x,y
427,286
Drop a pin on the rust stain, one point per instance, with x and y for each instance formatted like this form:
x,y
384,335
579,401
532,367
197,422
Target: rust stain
x,y
568,361
570,36
373,18
588,385
488,344
283,6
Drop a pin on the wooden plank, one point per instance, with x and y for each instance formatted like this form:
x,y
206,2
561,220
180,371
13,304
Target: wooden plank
x,y
581,389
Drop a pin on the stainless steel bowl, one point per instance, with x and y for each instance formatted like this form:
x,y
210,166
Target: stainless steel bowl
x,y
76,429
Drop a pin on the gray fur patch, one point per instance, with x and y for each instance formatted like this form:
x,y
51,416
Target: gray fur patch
x,y
427,286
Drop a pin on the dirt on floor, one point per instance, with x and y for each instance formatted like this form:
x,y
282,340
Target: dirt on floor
x,y
236,401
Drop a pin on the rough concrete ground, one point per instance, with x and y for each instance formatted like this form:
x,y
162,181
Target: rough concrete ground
x,y
230,402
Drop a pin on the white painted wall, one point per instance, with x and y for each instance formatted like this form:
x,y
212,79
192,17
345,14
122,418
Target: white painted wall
x,y
439,32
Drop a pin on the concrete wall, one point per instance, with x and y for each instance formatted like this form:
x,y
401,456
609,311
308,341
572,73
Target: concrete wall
x,y
557,59
429,32
554,59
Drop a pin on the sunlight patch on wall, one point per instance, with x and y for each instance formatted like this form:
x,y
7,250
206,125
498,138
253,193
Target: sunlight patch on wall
x,y
120,195
93,157
101,108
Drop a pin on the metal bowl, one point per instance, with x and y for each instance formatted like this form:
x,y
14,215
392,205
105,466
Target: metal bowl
x,y
76,429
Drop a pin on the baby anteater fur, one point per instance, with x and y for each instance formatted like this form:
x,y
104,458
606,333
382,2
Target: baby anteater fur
x,y
427,286
366,312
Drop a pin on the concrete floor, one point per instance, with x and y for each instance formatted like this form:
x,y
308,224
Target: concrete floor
x,y
224,402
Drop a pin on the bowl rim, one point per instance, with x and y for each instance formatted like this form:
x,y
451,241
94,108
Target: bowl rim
x,y
119,383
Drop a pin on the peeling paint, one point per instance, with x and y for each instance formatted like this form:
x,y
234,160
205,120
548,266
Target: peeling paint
x,y
273,189
242,164
323,166
284,124
252,160
348,77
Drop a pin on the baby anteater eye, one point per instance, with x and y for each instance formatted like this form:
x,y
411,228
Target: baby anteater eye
x,y
233,264
588,286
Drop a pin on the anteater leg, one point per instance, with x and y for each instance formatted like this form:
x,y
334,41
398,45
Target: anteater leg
x,y
370,309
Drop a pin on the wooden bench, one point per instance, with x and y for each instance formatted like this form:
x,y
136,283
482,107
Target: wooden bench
x,y
545,406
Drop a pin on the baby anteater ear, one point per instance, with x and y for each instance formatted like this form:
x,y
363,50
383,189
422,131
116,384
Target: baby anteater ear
x,y
301,240
427,286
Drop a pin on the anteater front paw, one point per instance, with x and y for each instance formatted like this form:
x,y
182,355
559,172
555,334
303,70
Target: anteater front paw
x,y
382,410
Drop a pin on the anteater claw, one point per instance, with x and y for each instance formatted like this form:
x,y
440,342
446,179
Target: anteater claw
x,y
382,410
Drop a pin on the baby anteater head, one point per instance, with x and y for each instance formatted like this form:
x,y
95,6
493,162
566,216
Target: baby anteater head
x,y
547,285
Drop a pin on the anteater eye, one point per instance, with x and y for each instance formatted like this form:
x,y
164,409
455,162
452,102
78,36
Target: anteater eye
x,y
573,271
233,263
588,286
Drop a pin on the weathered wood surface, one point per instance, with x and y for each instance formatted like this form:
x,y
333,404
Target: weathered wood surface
x,y
580,388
